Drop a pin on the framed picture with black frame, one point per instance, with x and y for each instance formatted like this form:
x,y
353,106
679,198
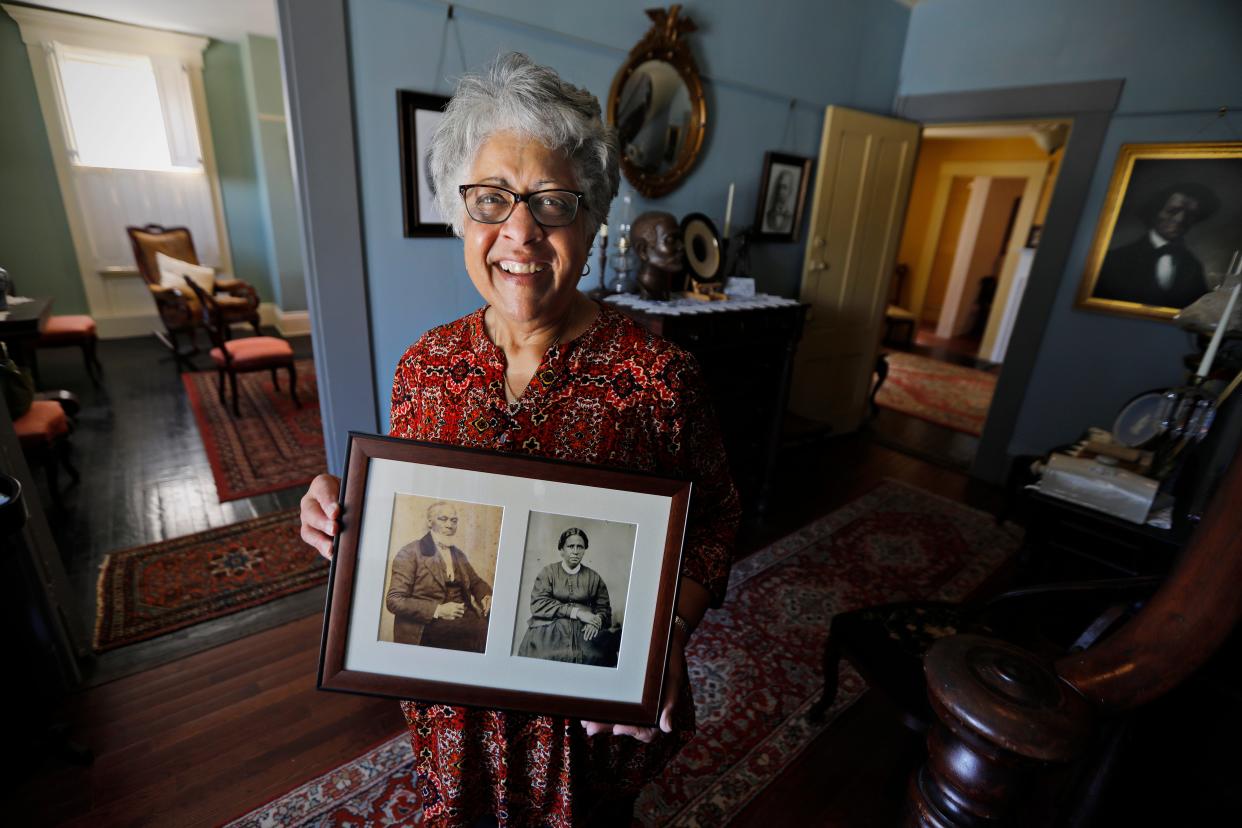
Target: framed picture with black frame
x,y
468,577
418,114
782,197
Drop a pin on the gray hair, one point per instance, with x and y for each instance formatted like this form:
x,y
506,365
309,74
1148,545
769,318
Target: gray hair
x,y
515,94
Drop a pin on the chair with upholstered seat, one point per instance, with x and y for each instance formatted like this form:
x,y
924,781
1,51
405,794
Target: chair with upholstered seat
x,y
43,432
899,323
243,356
77,330
178,308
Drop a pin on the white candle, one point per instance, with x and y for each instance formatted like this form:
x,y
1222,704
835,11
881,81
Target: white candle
x,y
729,211
1206,365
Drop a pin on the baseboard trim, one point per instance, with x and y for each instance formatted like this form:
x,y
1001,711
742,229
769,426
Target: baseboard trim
x,y
289,323
125,327
293,323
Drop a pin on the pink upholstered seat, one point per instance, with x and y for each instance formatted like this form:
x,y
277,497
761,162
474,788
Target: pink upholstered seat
x,y
254,352
42,424
75,330
67,330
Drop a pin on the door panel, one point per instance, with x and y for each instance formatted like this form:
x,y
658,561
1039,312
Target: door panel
x,y
865,167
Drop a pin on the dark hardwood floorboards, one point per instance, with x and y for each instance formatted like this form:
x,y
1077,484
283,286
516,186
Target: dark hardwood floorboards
x,y
203,739
146,478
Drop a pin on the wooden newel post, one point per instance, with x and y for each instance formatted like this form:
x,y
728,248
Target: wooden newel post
x,y
1005,721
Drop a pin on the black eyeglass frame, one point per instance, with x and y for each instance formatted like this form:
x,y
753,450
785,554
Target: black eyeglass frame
x,y
518,198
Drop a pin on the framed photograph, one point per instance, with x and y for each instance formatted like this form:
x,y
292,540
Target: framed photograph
x,y
473,578
418,114
1171,221
782,197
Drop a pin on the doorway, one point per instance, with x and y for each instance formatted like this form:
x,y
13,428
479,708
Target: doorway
x,y
977,205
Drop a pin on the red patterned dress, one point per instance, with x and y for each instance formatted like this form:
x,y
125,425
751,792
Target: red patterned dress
x,y
616,396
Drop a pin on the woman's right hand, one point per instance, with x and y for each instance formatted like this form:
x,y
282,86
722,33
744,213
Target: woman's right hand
x,y
320,513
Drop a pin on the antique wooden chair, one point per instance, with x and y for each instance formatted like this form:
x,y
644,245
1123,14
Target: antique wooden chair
x,y
899,323
178,308
1016,738
70,331
245,355
43,432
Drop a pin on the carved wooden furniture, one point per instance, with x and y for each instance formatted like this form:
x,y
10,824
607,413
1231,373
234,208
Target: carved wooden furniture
x,y
243,356
43,432
899,323
747,360
178,308
73,331
888,643
23,326
1013,725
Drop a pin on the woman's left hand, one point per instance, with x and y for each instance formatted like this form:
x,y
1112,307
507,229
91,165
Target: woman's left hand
x,y
668,708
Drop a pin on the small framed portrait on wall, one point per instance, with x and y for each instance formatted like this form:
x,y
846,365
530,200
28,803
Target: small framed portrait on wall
x,y
418,115
782,197
1171,221
475,578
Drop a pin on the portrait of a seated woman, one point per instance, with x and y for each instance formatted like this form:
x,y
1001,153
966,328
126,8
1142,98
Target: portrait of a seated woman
x,y
570,614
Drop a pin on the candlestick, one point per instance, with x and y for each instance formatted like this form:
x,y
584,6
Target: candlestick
x,y
728,211
1210,354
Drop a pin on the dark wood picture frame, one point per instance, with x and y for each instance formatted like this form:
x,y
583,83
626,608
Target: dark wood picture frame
x,y
768,228
660,584
413,157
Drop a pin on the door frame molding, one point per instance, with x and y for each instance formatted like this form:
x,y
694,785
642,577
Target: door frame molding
x,y
1033,173
1090,106
314,49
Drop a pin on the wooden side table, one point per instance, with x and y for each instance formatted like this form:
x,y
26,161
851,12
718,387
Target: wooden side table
x,y
746,350
22,325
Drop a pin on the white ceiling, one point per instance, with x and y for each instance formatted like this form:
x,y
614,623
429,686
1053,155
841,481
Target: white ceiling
x,y
221,19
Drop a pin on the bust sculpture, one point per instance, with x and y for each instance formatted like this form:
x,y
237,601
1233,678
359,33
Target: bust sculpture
x,y
656,239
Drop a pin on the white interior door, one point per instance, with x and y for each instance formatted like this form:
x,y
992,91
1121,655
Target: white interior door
x,y
866,163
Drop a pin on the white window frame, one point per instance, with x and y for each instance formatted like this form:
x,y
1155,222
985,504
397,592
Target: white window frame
x,y
41,30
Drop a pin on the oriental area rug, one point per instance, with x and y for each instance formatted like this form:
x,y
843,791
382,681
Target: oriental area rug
x,y
754,663
273,445
953,396
151,590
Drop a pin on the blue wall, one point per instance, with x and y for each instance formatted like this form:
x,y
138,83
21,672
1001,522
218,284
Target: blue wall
x,y
35,245
232,139
1180,63
265,101
757,61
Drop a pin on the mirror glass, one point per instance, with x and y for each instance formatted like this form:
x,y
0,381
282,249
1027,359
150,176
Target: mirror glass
x,y
654,117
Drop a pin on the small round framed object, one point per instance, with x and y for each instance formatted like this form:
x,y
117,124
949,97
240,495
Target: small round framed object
x,y
702,243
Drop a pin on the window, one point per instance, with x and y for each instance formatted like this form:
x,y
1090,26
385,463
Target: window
x,y
126,111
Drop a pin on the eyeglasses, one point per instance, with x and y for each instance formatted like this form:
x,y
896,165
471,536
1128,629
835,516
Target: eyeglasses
x,y
493,205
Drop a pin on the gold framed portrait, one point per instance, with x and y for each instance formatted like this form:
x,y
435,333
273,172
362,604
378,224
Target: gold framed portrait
x,y
1170,223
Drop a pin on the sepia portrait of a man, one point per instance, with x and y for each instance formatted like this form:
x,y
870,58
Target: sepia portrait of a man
x,y
439,585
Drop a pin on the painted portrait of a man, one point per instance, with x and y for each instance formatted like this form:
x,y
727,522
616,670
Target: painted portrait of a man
x,y
1172,219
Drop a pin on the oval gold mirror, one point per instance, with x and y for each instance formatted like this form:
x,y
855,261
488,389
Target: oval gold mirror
x,y
657,105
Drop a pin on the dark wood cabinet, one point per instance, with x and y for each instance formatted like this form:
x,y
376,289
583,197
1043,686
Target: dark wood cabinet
x,y
747,359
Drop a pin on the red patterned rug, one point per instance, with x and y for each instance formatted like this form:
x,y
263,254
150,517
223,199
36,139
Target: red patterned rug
x,y
151,590
949,395
272,445
754,663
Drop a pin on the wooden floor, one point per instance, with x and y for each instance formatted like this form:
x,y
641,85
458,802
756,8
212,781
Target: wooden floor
x,y
205,738
146,478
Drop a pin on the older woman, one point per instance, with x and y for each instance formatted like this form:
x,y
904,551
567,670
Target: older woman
x,y
570,614
527,170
